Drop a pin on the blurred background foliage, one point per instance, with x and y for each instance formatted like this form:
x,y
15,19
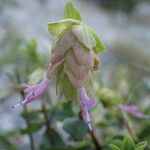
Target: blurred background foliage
x,y
124,77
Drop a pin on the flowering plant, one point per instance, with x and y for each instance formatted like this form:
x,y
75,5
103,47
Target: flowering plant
x,y
58,122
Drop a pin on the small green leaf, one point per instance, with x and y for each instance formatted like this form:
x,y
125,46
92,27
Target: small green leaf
x,y
128,143
51,138
84,36
56,28
55,148
33,127
54,137
6,144
143,134
32,116
76,128
99,45
103,124
114,147
141,145
82,145
64,111
71,12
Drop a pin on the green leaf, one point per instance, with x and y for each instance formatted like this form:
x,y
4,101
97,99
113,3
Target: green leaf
x,y
114,147
32,116
55,138
33,127
63,112
99,45
84,145
141,145
67,88
128,143
56,148
143,134
103,124
6,144
56,28
84,36
51,138
71,12
76,128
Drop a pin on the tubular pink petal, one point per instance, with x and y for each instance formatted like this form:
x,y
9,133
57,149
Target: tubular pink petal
x,y
85,103
134,111
33,92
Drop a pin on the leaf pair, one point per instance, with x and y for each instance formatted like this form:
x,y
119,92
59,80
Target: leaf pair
x,y
128,144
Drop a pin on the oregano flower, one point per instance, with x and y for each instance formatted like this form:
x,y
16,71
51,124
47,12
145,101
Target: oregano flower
x,y
86,103
134,111
73,60
33,92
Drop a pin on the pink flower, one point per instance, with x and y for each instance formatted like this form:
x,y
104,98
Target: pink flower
x,y
133,110
86,103
33,92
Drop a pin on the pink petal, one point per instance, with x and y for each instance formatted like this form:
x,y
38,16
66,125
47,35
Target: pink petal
x,y
35,91
86,103
134,111
90,103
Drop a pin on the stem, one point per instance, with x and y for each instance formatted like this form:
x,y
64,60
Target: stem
x,y
92,135
25,110
46,120
95,140
129,126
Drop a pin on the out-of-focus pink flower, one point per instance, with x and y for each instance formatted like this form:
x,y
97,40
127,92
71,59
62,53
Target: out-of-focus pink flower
x,y
133,110
86,103
33,92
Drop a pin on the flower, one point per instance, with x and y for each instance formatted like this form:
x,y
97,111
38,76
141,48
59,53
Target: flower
x,y
85,103
33,92
133,110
